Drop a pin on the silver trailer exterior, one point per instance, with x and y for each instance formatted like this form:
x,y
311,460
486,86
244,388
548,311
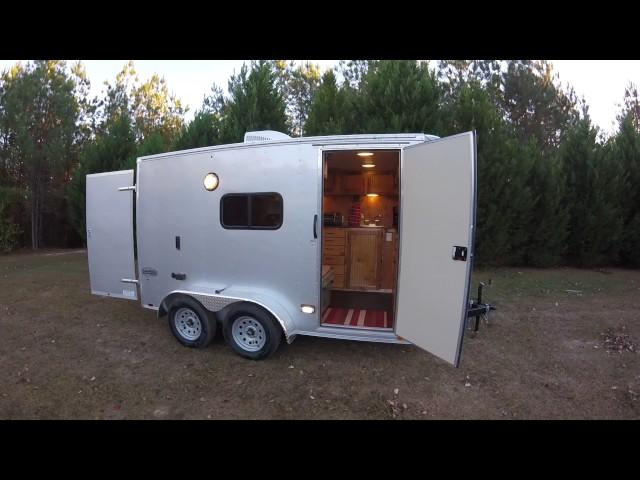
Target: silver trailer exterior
x,y
184,251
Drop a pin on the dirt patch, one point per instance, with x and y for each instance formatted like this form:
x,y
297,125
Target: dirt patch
x,y
618,340
68,354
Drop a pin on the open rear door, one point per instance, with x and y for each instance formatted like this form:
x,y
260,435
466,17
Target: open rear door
x,y
110,234
438,197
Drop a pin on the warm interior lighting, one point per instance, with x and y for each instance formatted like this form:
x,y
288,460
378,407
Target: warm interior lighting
x,y
368,165
211,181
372,195
307,308
365,154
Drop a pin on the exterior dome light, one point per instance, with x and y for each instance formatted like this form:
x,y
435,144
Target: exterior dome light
x,y
210,181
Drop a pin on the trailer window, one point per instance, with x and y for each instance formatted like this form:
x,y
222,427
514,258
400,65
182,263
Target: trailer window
x,y
251,211
235,211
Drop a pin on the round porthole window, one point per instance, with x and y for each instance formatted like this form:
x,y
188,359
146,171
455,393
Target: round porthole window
x,y
210,181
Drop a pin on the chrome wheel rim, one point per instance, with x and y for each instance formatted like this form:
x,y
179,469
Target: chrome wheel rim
x,y
248,333
188,324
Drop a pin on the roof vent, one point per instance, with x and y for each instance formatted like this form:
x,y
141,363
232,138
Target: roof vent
x,y
264,136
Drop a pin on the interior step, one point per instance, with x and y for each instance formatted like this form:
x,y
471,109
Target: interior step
x,y
363,300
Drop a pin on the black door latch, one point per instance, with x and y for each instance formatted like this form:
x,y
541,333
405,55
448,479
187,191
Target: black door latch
x,y
460,253
179,276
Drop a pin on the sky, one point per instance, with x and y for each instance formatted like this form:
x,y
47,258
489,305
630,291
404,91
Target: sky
x,y
600,82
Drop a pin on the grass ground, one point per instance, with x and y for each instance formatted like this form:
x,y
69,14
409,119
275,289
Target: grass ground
x,y
560,346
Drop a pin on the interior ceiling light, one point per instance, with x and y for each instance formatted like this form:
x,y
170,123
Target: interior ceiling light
x,y
368,165
365,154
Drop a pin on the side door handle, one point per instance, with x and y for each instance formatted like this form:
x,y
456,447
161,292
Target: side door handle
x,y
315,226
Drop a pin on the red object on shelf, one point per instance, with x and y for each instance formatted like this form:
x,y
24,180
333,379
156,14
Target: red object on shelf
x,y
355,214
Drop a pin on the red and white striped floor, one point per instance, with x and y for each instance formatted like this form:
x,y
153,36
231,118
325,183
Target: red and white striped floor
x,y
354,317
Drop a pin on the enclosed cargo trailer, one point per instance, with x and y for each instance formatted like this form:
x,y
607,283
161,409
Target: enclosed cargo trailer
x,y
233,237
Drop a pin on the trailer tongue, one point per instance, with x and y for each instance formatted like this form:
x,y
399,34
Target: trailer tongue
x,y
478,309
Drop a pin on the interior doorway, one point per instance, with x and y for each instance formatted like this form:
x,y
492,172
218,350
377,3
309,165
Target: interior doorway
x,y
361,202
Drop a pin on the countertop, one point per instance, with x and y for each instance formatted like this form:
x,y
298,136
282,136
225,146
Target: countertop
x,y
364,227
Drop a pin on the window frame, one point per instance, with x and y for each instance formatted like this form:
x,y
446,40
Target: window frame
x,y
249,207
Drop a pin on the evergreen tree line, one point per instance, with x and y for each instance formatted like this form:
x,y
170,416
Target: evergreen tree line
x,y
552,189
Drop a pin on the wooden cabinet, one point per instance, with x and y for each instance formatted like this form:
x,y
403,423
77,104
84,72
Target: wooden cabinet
x,y
333,253
332,184
334,242
360,184
335,234
364,258
381,184
338,281
352,184
361,258
333,250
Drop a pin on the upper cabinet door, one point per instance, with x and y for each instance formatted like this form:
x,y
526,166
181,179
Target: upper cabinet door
x,y
352,184
437,201
331,182
382,184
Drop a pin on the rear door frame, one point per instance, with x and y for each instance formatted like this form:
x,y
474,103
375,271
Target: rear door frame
x,y
124,261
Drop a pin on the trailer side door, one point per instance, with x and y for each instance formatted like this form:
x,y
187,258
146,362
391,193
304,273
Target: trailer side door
x,y
110,234
438,196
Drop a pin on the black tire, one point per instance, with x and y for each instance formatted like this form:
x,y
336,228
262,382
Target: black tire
x,y
247,317
182,315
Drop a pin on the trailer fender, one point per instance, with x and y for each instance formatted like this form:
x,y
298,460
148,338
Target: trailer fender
x,y
165,305
167,302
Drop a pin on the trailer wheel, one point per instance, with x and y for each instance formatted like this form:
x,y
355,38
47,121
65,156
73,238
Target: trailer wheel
x,y
191,324
252,332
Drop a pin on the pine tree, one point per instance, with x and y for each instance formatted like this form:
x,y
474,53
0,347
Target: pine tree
x,y
298,85
625,148
592,180
10,231
353,71
202,131
399,96
504,168
113,149
548,218
40,115
255,103
149,105
325,112
533,101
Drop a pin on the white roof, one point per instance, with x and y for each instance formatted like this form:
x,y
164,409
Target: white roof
x,y
368,138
